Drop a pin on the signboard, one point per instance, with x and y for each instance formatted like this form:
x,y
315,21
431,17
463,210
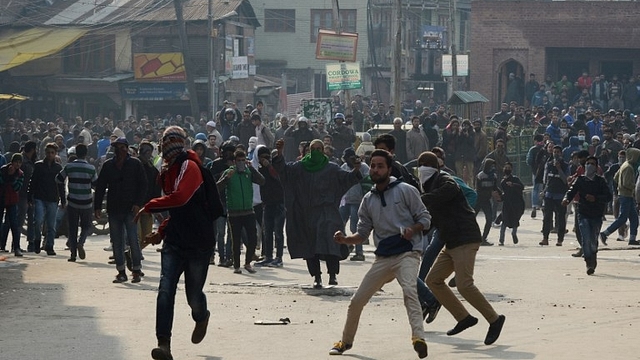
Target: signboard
x,y
240,67
159,67
339,47
462,65
149,91
434,37
343,76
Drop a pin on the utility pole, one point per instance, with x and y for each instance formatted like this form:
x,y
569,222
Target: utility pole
x,y
184,44
213,103
396,65
452,39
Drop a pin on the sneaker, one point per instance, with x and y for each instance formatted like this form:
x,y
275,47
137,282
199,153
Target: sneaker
x,y
72,259
339,347
276,263
264,262
249,268
50,252
317,282
227,264
136,277
120,278
486,243
621,238
432,313
237,271
463,325
494,330
603,238
18,252
200,330
333,280
420,346
81,253
357,257
634,242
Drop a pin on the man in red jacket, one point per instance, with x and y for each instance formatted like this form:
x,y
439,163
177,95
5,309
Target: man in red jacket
x,y
188,235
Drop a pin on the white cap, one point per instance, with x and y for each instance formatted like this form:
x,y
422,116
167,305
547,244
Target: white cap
x,y
303,119
211,123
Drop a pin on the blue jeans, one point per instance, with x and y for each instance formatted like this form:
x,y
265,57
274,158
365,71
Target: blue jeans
x,y
627,211
175,261
224,249
11,222
535,194
428,258
45,213
84,216
350,212
273,223
122,229
590,231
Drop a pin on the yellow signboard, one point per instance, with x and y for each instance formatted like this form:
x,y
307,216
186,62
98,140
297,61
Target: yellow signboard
x,y
333,46
159,67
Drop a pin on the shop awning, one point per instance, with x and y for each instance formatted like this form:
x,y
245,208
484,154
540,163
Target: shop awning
x,y
36,43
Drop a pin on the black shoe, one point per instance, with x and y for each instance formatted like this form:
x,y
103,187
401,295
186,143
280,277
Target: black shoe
x,y
494,330
163,351
50,252
200,330
463,325
227,264
120,278
533,213
81,253
432,313
577,253
136,277
486,243
603,238
590,271
317,282
333,280
30,247
559,243
634,242
501,243
72,259
18,253
515,239
357,257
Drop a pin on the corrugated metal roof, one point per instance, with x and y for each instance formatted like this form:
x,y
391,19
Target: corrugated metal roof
x,y
466,97
106,12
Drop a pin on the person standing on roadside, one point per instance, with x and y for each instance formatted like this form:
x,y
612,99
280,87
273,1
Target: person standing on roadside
x,y
82,177
456,223
188,234
11,181
125,178
397,234
45,194
594,194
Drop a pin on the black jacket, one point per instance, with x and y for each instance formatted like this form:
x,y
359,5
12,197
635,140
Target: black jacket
x,y
271,191
450,211
43,185
127,186
597,187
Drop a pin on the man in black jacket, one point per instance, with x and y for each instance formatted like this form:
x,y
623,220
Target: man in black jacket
x,y
44,193
456,223
127,182
594,194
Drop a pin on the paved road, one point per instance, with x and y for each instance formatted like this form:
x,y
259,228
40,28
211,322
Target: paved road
x,y
51,309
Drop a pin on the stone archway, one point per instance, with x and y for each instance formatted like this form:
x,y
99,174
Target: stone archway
x,y
510,89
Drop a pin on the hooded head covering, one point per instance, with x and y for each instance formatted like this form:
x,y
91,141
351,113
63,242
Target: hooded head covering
x,y
253,141
366,137
173,141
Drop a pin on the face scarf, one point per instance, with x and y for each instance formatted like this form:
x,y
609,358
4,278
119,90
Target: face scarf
x,y
314,161
425,173
590,171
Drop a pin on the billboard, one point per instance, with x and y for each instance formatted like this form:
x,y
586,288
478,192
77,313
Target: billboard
x,y
151,92
239,67
343,76
462,65
434,37
159,67
333,46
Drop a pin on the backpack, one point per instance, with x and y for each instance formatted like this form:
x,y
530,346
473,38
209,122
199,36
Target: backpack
x,y
470,194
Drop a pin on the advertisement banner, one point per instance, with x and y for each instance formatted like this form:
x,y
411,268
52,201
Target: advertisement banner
x,y
159,67
434,37
462,65
343,76
240,67
338,47
151,92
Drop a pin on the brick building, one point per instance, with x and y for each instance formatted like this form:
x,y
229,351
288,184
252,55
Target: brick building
x,y
551,38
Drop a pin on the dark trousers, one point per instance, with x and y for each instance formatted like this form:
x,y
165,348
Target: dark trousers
x,y
195,265
551,207
11,222
333,265
273,224
73,216
237,224
487,209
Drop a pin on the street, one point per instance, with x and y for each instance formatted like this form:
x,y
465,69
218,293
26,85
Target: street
x,y
52,309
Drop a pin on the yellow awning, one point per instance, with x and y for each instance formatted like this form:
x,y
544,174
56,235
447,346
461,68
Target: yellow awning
x,y
36,43
13,97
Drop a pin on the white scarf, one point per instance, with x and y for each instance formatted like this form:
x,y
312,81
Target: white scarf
x,y
425,173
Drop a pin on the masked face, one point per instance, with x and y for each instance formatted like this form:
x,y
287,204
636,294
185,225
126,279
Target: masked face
x,y
590,169
621,159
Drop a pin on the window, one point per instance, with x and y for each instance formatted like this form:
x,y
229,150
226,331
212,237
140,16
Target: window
x,y
323,19
279,20
90,54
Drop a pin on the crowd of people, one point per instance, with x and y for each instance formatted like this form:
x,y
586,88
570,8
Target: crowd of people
x,y
310,179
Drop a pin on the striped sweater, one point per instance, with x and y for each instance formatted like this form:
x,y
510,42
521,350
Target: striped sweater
x,y
82,177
